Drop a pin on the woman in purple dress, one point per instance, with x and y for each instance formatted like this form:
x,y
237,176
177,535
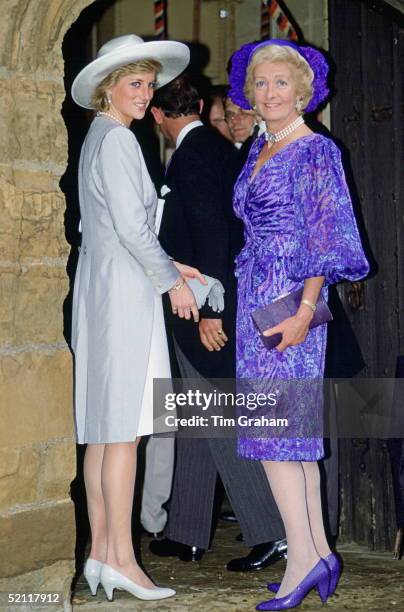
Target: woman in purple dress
x,y
300,232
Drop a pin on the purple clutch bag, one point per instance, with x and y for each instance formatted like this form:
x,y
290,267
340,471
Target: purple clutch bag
x,y
281,309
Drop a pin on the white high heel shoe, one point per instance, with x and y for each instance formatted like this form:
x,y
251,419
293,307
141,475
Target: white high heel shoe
x,y
111,579
92,573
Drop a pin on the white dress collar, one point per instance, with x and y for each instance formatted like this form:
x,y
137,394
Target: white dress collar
x,y
187,128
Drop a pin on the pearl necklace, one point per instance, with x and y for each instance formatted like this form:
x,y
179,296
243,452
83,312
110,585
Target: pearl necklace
x,y
278,136
105,114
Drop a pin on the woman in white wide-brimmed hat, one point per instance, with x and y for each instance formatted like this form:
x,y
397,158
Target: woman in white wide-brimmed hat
x,y
118,333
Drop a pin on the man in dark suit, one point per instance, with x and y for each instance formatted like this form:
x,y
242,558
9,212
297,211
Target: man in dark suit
x,y
241,122
198,227
243,128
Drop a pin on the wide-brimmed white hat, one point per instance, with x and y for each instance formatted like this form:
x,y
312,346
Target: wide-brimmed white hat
x,y
173,56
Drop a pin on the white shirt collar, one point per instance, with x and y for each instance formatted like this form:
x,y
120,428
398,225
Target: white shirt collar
x,y
261,128
187,128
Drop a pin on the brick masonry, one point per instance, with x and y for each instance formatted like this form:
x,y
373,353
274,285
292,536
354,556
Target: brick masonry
x,y
37,451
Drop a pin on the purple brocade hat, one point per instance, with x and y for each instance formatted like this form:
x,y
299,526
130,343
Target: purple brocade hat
x,y
242,57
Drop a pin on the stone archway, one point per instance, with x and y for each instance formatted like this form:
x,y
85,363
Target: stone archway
x,y
37,451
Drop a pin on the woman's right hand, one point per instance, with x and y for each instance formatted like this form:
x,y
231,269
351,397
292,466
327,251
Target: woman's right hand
x,y
190,272
183,302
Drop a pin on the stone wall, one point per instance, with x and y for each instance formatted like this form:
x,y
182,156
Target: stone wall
x,y
37,451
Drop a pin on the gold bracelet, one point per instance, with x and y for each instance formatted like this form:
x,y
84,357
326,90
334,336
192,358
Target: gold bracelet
x,y
310,305
178,285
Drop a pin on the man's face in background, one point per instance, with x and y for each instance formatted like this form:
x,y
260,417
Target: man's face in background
x,y
240,121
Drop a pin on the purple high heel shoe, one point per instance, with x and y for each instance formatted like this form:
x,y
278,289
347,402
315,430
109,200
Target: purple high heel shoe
x,y
334,565
318,577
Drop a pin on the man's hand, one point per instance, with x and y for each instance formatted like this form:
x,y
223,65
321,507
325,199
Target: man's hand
x,y
212,335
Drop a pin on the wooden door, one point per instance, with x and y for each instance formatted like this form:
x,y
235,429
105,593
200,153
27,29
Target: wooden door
x,y
367,45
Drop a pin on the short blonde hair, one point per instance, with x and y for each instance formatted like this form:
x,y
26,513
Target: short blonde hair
x,y
99,99
302,73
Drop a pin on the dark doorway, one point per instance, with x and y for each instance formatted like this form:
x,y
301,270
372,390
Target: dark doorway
x,y
367,44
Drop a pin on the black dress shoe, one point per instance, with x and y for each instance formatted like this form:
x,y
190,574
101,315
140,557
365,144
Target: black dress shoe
x,y
260,556
228,516
170,548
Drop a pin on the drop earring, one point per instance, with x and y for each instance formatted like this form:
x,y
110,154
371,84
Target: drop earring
x,y
299,105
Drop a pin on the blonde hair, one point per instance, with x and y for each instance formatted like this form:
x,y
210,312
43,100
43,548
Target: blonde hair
x,y
99,99
302,73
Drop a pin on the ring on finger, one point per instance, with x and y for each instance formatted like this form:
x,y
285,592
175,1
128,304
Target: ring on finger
x,y
220,332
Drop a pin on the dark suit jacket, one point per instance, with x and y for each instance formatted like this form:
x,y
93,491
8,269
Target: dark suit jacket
x,y
246,146
199,228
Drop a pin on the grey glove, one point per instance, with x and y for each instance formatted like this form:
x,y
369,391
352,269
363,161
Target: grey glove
x,y
213,292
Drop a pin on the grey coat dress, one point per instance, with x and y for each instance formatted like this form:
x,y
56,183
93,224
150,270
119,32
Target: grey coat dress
x,y
118,334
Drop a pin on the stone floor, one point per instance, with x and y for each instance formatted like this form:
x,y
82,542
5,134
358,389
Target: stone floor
x,y
371,582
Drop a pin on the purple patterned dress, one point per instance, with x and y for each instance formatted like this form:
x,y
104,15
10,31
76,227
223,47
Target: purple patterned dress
x,y
298,223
